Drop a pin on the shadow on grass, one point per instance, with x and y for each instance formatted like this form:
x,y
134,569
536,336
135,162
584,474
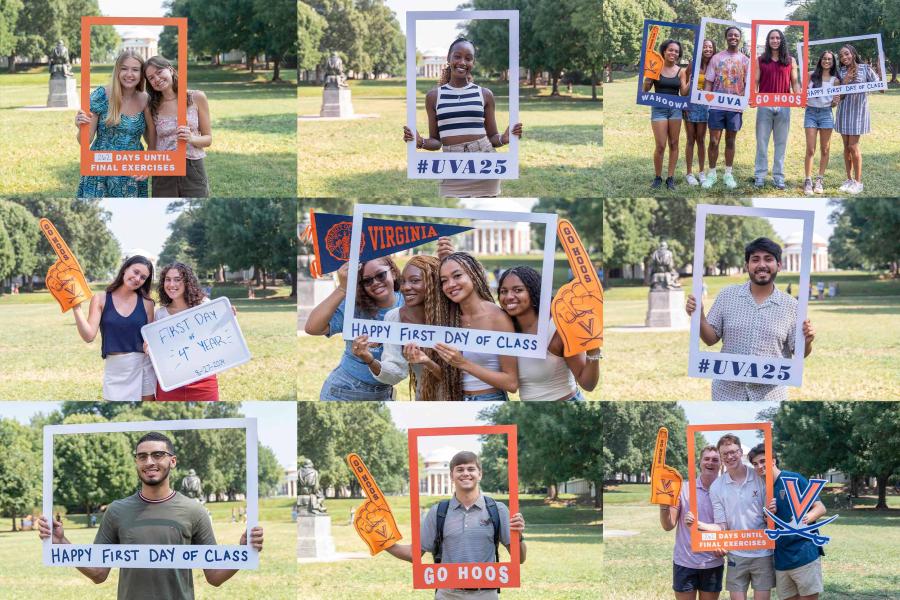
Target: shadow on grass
x,y
268,174
888,591
280,124
565,135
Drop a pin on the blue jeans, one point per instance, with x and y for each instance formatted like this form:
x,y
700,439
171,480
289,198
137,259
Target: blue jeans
x,y
818,118
487,396
663,113
340,385
771,121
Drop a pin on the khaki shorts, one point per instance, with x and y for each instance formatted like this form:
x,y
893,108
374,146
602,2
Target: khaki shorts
x,y
744,571
802,581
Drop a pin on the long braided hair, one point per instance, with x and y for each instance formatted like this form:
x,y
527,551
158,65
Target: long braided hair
x,y
450,315
850,75
532,281
430,267
445,73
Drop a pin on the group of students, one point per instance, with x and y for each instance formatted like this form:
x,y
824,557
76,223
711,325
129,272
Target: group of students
x,y
727,71
731,496
118,315
449,290
141,100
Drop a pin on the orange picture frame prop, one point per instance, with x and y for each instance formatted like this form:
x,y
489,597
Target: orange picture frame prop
x,y
133,162
464,575
792,99
577,307
732,539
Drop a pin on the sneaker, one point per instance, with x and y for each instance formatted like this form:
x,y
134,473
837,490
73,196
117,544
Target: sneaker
x,y
759,183
657,182
730,183
780,185
856,188
691,180
702,177
808,187
670,183
846,185
819,186
710,181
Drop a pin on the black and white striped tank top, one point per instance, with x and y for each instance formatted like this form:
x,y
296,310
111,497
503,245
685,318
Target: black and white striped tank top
x,y
460,111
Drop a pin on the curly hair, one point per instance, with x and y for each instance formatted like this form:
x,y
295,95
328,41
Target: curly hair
x,y
445,73
193,295
850,75
449,313
365,304
432,386
532,281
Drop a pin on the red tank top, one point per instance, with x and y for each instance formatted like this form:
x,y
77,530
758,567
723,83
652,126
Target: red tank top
x,y
774,77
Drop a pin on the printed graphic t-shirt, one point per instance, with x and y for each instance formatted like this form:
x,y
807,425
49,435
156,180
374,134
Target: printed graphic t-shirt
x,y
728,72
179,520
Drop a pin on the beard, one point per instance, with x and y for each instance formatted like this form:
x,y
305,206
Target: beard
x,y
163,477
763,278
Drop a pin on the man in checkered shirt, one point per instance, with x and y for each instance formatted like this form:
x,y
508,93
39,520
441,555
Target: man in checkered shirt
x,y
755,319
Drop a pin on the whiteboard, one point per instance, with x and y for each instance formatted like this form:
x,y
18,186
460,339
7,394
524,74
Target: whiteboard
x,y
195,343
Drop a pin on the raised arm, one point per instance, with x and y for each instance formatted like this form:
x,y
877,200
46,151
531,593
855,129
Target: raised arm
x,y
89,326
320,316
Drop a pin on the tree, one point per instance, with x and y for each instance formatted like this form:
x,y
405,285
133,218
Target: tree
x,y
272,32
384,39
104,38
552,28
865,232
587,20
270,471
629,436
7,254
9,16
310,29
346,33
626,230
23,232
20,464
622,27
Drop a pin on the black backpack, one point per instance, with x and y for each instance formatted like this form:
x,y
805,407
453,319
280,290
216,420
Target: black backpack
x,y
444,505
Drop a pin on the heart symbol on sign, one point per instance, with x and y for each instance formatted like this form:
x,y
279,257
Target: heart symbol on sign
x,y
709,97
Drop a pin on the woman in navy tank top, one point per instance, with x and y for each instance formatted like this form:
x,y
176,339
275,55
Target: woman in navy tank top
x,y
462,118
118,316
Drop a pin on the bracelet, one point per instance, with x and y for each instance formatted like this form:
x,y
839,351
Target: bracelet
x,y
595,357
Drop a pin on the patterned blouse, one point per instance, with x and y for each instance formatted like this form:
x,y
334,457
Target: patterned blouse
x,y
852,116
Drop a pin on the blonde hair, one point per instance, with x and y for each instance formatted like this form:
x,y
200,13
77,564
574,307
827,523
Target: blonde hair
x,y
432,386
114,113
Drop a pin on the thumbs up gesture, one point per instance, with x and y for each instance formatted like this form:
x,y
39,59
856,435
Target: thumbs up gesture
x,y
665,481
653,60
373,520
65,279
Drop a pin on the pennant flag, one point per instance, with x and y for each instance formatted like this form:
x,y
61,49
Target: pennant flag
x,y
330,236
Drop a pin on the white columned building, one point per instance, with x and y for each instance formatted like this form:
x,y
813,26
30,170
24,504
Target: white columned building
x,y
433,61
792,252
435,479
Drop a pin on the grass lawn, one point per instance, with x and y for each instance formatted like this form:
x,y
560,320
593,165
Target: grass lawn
x,y
856,333
44,359
559,154
277,574
253,124
857,562
628,151
563,557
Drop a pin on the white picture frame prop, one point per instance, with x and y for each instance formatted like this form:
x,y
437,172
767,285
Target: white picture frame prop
x,y
720,99
153,556
195,343
479,340
771,370
462,165
850,88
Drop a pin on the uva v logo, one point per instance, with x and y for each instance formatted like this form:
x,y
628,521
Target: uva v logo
x,y
800,503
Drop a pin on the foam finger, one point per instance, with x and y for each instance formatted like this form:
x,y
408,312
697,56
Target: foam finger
x,y
57,243
579,261
366,480
659,453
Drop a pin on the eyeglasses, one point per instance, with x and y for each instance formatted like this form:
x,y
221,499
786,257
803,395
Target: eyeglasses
x,y
378,277
157,456
731,453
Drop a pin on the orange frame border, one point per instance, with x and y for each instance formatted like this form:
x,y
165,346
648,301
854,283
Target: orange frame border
x,y
451,570
754,539
175,157
796,100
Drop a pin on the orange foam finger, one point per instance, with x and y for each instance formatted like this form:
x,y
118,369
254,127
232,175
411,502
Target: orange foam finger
x,y
57,243
579,261
366,480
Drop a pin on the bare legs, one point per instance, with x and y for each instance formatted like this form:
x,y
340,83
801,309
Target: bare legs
x,y
825,150
696,133
665,133
852,157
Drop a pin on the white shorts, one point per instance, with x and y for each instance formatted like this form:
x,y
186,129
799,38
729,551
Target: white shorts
x,y
128,377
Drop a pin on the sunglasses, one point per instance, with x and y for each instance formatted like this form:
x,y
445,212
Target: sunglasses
x,y
379,277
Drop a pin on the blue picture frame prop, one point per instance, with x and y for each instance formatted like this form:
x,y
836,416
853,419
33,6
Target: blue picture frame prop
x,y
652,98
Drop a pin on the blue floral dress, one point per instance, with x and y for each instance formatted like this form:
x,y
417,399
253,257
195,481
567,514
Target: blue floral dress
x,y
125,136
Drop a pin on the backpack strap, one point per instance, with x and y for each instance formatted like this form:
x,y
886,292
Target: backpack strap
x,y
443,505
491,506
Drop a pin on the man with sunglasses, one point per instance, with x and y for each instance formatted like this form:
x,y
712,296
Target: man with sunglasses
x,y
156,514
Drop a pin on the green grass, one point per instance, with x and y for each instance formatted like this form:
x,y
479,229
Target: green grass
x,y
628,151
559,154
857,564
563,556
46,360
20,552
856,333
253,126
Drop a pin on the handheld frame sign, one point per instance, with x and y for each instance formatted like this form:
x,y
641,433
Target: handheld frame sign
x,y
195,343
719,99
154,556
851,88
479,340
732,539
133,162
462,165
464,575
653,98
772,370
789,99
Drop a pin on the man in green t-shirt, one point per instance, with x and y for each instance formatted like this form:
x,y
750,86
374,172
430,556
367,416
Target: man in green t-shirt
x,y
157,514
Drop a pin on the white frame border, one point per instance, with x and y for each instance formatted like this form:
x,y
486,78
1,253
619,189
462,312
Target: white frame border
x,y
541,338
413,156
699,96
795,364
143,560
850,88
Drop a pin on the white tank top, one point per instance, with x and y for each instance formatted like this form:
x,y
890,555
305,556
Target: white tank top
x,y
491,362
545,378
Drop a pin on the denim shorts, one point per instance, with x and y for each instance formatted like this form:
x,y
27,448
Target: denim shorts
x,y
728,120
698,113
340,385
658,113
487,396
818,118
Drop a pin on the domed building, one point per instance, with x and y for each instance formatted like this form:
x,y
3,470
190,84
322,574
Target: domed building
x,y
434,480
792,252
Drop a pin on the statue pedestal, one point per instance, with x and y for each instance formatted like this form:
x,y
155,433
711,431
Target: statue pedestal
x,y
665,308
314,536
336,102
63,93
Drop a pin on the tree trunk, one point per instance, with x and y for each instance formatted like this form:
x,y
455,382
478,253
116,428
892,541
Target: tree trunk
x,y
893,73
276,73
552,491
14,522
294,287
555,90
256,275
12,63
593,84
882,492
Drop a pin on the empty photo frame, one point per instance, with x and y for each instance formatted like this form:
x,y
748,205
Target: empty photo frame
x,y
424,164
153,556
772,370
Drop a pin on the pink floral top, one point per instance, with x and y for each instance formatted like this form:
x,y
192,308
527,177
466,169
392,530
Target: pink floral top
x,y
167,132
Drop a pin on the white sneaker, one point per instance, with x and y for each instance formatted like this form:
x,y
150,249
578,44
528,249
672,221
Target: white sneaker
x,y
845,187
702,176
856,188
691,180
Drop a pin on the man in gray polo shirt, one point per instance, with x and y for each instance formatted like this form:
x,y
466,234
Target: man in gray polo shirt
x,y
468,535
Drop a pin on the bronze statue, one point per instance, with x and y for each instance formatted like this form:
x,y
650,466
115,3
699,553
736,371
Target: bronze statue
x,y
663,274
334,72
310,497
59,62
192,487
